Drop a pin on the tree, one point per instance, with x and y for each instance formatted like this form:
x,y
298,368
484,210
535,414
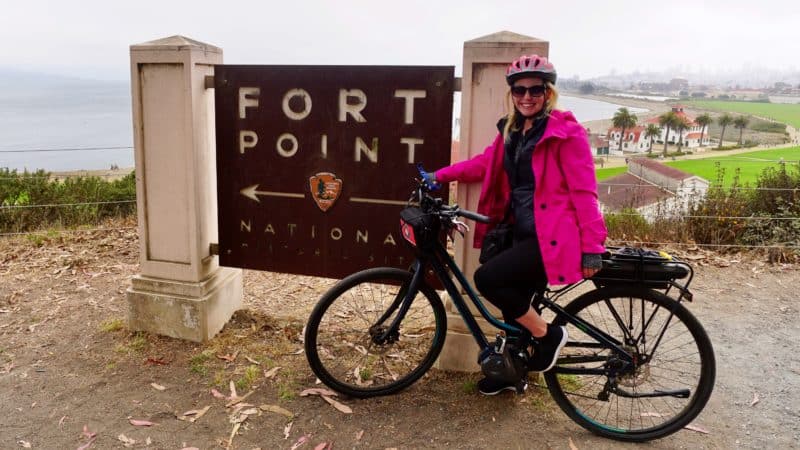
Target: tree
x,y
740,123
651,132
703,120
723,121
667,120
623,119
680,126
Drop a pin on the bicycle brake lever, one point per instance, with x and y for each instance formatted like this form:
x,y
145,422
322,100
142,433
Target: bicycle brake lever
x,y
461,227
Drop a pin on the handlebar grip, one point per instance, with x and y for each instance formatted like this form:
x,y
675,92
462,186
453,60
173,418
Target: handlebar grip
x,y
474,216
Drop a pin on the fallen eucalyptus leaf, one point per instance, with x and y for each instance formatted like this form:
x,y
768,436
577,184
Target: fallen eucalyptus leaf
x,y
317,391
229,357
141,423
194,414
572,445
277,410
237,399
87,433
287,429
233,433
343,408
696,428
302,440
217,394
271,372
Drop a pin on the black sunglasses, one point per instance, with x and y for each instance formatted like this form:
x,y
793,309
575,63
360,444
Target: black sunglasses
x,y
534,91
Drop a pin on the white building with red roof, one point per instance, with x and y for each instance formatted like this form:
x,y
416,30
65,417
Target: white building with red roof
x,y
635,141
652,189
689,135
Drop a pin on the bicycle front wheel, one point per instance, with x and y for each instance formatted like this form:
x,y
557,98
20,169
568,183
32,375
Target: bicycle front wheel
x,y
346,341
665,388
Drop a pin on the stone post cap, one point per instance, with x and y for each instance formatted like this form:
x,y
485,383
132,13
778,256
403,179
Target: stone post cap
x,y
502,39
176,43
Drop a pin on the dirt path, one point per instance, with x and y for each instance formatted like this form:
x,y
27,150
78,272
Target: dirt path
x,y
67,365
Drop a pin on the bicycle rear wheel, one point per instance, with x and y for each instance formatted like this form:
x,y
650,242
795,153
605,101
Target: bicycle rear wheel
x,y
667,386
342,339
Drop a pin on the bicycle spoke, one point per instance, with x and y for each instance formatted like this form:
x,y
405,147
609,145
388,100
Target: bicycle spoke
x,y
350,344
652,329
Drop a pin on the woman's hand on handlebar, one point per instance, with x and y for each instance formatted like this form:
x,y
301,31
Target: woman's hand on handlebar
x,y
588,272
430,180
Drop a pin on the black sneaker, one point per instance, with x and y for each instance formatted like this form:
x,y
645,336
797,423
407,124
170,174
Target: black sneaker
x,y
488,386
546,351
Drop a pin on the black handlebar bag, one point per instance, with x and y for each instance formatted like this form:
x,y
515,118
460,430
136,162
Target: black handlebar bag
x,y
424,227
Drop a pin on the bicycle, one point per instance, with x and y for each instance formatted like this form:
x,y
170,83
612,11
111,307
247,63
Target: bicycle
x,y
379,330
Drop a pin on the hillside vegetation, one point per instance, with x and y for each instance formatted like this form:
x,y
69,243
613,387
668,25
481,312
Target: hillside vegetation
x,y
35,200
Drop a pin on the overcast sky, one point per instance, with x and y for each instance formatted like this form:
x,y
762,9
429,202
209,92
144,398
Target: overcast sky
x,y
90,38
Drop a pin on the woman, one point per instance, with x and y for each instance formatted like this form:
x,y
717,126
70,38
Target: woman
x,y
539,174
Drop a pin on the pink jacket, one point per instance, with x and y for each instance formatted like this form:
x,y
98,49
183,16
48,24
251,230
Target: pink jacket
x,y
566,212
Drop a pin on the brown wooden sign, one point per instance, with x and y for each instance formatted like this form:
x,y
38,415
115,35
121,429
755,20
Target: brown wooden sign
x,y
314,163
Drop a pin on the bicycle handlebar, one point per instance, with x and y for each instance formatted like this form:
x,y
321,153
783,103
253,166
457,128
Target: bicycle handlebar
x,y
450,210
473,215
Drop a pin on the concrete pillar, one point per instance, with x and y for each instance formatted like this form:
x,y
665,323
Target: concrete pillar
x,y
181,291
483,102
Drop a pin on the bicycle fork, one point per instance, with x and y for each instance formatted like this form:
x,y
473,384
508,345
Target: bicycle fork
x,y
402,300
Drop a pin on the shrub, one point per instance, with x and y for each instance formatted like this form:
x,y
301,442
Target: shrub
x,y
779,190
29,200
716,218
777,206
626,225
768,127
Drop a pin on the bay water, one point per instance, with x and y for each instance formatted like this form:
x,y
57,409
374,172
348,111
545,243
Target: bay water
x,y
42,123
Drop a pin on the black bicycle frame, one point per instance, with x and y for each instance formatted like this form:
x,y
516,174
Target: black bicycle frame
x,y
441,261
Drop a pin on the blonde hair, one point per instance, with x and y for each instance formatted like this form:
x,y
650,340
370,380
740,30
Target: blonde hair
x,y
511,115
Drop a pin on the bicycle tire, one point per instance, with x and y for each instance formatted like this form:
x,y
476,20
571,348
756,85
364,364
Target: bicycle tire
x,y
683,352
377,369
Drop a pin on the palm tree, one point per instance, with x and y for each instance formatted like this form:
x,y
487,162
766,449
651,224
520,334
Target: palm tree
x,y
703,120
723,121
651,132
668,120
680,126
623,119
740,123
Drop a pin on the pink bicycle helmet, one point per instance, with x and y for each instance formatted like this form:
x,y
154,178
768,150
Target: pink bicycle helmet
x,y
531,65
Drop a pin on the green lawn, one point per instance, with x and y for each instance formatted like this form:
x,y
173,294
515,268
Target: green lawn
x,y
782,112
602,174
750,165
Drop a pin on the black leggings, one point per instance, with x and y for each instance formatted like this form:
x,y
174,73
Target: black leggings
x,y
510,279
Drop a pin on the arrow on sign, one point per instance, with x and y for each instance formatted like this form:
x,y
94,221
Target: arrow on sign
x,y
252,192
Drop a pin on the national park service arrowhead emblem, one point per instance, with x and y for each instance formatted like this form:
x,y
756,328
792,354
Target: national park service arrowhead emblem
x,y
325,189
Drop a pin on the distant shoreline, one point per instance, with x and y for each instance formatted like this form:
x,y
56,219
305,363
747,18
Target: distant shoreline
x,y
108,174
